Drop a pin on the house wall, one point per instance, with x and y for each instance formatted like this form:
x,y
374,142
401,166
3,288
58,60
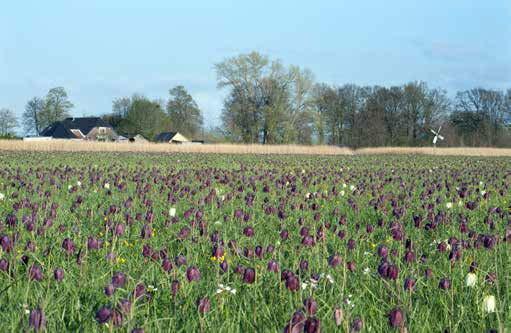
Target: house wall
x,y
96,135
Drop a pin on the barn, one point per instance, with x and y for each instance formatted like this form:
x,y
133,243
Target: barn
x,y
172,137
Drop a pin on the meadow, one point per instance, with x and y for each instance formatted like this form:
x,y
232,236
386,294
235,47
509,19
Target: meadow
x,y
144,242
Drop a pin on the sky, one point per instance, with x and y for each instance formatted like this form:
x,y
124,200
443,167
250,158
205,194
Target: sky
x,y
99,50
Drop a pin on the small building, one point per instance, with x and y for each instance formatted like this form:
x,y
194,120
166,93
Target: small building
x,y
83,128
138,139
171,137
121,138
131,138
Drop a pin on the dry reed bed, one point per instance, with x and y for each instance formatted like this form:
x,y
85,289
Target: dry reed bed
x,y
77,146
65,145
454,151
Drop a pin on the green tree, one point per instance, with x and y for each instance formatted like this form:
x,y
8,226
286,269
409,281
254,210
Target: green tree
x,y
121,106
267,102
184,113
56,107
144,117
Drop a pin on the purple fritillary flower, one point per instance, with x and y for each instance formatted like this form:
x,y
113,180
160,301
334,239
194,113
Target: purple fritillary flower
x,y
192,274
37,320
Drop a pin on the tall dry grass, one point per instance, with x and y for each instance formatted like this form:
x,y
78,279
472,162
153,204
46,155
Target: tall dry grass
x,y
87,146
84,146
454,151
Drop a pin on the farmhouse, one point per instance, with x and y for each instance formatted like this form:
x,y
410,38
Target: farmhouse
x,y
84,128
171,137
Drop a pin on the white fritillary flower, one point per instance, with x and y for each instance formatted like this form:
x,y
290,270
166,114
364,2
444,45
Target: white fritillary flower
x,y
2,196
471,280
172,212
448,205
107,186
489,304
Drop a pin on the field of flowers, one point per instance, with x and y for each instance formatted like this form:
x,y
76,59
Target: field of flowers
x,y
244,243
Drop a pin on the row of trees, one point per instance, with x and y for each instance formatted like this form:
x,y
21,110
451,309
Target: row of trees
x,y
139,115
270,103
39,113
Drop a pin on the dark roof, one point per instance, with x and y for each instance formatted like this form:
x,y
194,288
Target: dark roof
x,y
165,136
59,131
62,129
85,124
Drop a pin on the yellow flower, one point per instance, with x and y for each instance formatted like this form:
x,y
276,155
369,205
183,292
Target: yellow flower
x,y
121,260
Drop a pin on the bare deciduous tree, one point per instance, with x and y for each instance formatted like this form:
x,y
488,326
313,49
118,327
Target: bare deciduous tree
x,y
8,122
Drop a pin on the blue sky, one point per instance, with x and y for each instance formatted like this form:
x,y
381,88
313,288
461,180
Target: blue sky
x,y
99,50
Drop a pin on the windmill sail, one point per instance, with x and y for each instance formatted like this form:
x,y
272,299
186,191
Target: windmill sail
x,y
437,135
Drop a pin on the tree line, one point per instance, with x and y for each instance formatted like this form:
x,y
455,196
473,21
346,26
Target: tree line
x,y
39,113
270,103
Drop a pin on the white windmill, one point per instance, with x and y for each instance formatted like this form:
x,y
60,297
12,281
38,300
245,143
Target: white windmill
x,y
437,135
